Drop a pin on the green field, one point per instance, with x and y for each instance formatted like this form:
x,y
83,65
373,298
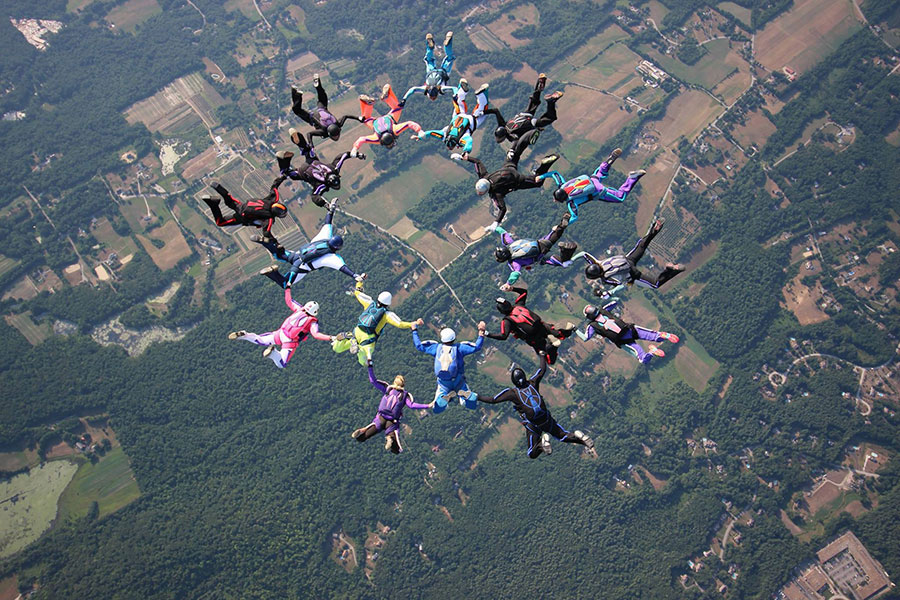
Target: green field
x,y
706,72
7,264
109,482
127,16
35,493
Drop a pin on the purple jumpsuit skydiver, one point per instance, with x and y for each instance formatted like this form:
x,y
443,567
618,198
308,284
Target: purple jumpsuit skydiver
x,y
539,424
321,176
624,335
524,253
324,122
390,411
586,188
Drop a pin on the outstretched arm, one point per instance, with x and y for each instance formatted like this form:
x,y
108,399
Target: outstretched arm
x,y
480,169
381,386
363,298
411,403
314,331
291,303
504,331
365,139
401,127
503,396
413,90
392,318
542,370
343,119
337,163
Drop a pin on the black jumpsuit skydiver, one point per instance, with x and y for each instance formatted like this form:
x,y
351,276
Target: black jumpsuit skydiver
x,y
533,412
507,178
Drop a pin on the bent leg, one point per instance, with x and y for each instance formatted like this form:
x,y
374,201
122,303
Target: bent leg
x,y
282,357
364,433
515,153
533,438
449,58
548,117
277,277
638,352
261,339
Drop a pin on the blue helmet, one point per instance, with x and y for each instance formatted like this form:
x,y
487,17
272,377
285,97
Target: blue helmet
x,y
335,243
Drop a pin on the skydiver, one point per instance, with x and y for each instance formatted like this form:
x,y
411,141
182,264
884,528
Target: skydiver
x,y
259,212
528,326
536,418
436,78
385,128
376,314
296,328
525,122
390,411
507,178
525,253
624,335
321,176
585,188
320,252
325,123
458,134
621,270
449,367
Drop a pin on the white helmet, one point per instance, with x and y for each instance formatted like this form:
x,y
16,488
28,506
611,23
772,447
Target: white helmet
x,y
385,298
447,335
311,308
482,186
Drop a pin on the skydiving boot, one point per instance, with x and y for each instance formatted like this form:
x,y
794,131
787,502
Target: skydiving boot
x,y
554,96
220,189
656,351
566,252
284,158
429,40
637,175
545,443
296,96
613,156
211,202
448,38
316,81
546,163
385,91
367,99
668,273
583,439
483,88
541,82
295,136
268,351
668,337
236,335
656,225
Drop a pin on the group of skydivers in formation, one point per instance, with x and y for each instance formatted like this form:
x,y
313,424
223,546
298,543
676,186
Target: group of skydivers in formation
x,y
613,273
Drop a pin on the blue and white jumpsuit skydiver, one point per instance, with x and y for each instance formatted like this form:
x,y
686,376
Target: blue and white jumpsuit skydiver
x,y
320,252
457,136
449,367
436,77
586,188
525,253
539,424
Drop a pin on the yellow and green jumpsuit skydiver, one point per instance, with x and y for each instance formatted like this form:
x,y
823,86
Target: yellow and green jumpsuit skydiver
x,y
374,317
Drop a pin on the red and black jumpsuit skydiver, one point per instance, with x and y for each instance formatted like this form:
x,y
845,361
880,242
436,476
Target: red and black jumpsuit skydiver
x,y
507,178
324,123
321,176
525,122
259,212
527,326
539,423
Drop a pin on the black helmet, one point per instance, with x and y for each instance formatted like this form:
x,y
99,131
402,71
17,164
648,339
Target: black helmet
x,y
560,195
387,139
519,378
335,243
504,306
333,131
591,312
593,271
333,180
502,254
432,92
500,134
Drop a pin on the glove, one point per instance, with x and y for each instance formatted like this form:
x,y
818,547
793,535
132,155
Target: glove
x,y
456,156
353,153
360,156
